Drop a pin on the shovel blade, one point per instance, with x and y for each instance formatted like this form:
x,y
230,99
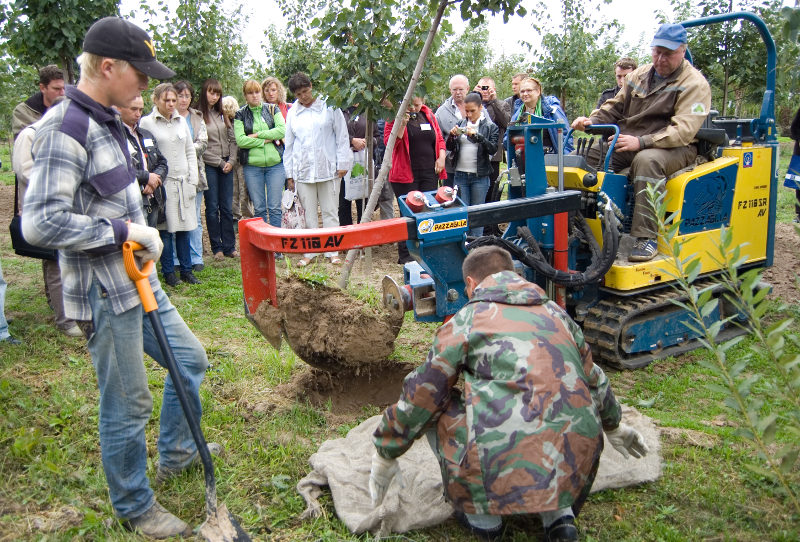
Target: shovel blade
x,y
222,527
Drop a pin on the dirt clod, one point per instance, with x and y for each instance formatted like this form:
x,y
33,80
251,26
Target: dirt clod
x,y
326,327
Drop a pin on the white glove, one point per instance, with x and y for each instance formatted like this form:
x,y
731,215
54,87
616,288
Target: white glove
x,y
148,238
380,476
627,440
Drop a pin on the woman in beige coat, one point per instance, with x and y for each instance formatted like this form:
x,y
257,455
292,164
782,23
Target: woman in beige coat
x,y
175,142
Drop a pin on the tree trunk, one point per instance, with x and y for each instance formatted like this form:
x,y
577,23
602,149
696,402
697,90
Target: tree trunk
x,y
387,160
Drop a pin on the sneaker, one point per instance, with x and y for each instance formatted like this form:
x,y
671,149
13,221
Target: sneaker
x,y
158,523
562,530
171,279
166,473
219,256
643,250
11,340
189,278
482,534
71,330
198,267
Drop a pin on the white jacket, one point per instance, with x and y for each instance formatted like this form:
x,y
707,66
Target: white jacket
x,y
317,143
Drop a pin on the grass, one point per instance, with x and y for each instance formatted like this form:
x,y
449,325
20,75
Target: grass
x,y
6,173
50,462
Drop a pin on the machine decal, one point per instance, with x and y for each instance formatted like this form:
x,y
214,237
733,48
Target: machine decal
x,y
428,226
708,201
747,159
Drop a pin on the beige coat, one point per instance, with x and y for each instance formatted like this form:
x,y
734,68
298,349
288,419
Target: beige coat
x,y
175,142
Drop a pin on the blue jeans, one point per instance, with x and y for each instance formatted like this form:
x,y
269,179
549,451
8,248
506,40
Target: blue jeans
x,y
265,186
219,210
4,334
472,191
195,239
126,404
181,246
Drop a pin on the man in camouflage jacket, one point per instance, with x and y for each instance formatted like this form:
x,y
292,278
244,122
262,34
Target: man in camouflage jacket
x,y
525,435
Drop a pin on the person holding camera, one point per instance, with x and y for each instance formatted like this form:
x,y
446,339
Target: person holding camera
x,y
499,112
417,158
472,143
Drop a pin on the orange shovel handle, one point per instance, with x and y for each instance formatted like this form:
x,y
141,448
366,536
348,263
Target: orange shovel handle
x,y
140,276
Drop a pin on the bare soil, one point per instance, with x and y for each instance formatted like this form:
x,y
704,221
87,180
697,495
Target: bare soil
x,y
783,275
326,327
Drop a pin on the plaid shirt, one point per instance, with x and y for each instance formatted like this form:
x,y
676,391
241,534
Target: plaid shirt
x,y
82,191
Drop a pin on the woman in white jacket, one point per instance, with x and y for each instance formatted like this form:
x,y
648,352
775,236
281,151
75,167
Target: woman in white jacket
x,y
317,156
175,142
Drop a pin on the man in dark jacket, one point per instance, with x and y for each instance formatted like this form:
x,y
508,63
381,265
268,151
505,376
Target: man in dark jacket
x,y
151,171
51,86
622,67
514,102
499,112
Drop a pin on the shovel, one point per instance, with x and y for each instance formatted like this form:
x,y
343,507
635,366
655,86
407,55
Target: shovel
x,y
220,525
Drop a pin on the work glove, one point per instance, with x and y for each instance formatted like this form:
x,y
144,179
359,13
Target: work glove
x,y
380,476
148,238
627,440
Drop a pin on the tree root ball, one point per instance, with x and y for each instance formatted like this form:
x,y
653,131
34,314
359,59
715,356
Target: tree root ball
x,y
326,327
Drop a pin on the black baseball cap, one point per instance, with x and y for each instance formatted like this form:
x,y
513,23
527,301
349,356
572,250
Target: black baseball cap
x,y
114,37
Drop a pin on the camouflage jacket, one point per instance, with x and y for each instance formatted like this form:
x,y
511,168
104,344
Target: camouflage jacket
x,y
525,432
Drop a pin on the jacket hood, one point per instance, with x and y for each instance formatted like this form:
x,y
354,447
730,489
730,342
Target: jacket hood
x,y
509,288
36,102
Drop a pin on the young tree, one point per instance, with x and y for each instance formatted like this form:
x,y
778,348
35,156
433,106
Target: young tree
x,y
468,54
199,41
578,56
359,77
41,32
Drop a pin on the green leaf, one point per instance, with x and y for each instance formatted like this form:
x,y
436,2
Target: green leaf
x,y
761,471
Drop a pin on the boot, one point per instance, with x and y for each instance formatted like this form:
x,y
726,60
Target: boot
x,y
158,523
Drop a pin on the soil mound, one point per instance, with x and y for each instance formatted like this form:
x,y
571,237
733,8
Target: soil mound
x,y
326,327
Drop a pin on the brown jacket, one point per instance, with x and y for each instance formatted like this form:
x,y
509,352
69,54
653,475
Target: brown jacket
x,y
221,142
663,114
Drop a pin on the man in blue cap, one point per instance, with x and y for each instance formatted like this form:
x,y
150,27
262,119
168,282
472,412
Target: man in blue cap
x,y
659,110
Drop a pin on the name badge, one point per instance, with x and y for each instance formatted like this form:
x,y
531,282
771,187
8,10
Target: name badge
x,y
148,142
424,127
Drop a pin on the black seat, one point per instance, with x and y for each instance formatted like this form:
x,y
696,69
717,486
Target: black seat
x,y
570,160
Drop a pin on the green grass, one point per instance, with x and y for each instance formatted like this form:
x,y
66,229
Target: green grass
x,y
6,173
49,452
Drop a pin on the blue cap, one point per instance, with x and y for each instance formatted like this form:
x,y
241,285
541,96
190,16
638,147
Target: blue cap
x,y
670,36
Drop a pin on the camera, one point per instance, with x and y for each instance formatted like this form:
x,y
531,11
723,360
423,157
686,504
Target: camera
x,y
484,87
412,116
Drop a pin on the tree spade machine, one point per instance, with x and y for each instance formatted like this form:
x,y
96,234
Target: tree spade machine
x,y
566,230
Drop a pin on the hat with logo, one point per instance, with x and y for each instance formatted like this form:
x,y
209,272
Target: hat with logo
x,y
114,37
670,36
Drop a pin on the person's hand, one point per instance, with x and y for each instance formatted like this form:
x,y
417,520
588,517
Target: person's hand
x,y
438,166
380,476
152,183
627,440
358,144
455,131
148,238
252,135
290,184
341,173
626,143
492,93
471,132
581,123
226,167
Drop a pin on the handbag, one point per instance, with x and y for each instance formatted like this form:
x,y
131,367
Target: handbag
x,y
293,216
355,182
18,242
792,179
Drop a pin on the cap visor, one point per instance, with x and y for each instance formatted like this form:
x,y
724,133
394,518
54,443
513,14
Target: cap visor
x,y
153,68
671,45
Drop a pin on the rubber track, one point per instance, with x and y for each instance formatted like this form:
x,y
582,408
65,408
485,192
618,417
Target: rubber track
x,y
604,323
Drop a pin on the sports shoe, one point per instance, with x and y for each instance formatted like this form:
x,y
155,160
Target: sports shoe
x,y
165,473
482,534
11,340
562,530
158,523
643,250
189,278
198,267
171,279
219,256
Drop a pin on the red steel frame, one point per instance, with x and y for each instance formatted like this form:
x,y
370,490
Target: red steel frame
x,y
258,243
